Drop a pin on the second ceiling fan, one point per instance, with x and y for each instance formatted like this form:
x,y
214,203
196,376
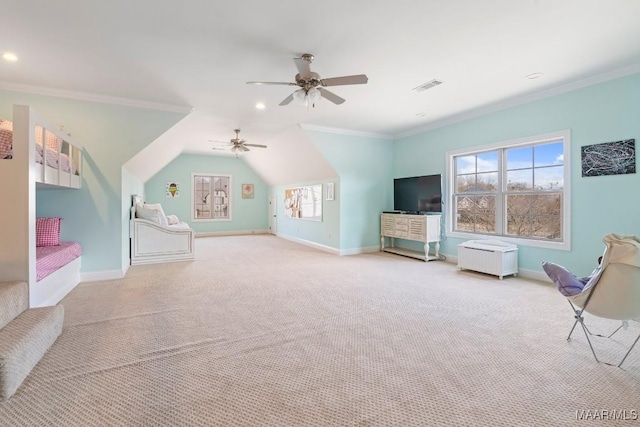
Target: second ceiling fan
x,y
312,87
237,145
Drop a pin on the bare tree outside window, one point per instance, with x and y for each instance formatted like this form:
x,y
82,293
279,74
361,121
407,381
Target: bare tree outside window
x,y
512,191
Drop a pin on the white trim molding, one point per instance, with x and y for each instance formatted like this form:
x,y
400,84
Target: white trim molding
x,y
359,251
229,233
315,245
524,273
514,102
565,243
96,276
348,132
92,97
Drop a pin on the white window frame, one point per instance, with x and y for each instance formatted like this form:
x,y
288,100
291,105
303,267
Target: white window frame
x,y
565,243
210,198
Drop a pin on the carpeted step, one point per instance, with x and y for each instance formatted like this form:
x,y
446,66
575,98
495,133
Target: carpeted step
x,y
14,299
23,342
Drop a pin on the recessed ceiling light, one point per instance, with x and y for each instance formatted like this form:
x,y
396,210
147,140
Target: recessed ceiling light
x,y
533,76
260,106
9,56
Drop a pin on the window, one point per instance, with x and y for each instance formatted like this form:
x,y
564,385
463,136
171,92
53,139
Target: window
x,y
304,202
515,191
211,197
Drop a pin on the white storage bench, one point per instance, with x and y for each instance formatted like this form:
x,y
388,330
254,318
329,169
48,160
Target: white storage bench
x,y
488,256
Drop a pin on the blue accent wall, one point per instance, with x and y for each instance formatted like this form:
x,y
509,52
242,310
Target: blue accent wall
x,y
94,215
325,232
600,113
365,167
247,214
97,215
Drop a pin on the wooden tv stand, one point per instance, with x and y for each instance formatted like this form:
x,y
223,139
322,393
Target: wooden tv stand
x,y
419,228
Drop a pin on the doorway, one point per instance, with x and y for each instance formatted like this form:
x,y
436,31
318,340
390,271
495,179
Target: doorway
x,y
273,215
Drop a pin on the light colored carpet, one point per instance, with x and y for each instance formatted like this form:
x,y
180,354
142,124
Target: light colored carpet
x,y
259,331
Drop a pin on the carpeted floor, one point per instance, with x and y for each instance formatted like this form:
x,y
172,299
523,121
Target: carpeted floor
x,y
260,331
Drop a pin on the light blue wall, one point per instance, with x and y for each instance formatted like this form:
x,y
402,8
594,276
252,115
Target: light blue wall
x,y
365,166
605,112
111,135
247,214
325,232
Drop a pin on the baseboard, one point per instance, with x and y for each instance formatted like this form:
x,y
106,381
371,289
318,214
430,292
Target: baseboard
x,y
358,251
325,248
96,276
522,272
229,233
315,245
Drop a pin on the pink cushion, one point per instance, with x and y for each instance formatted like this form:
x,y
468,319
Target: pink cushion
x,y
6,139
48,231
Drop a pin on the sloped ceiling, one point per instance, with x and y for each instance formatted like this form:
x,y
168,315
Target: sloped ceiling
x,y
291,157
199,54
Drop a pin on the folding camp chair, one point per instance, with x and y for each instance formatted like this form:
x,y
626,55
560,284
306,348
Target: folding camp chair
x,y
612,291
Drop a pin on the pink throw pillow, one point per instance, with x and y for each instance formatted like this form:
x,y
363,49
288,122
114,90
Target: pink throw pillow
x,y
48,231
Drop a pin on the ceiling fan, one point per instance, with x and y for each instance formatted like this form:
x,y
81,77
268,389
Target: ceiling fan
x,y
312,87
237,145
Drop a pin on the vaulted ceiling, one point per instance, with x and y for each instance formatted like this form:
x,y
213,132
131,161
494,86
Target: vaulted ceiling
x,y
198,55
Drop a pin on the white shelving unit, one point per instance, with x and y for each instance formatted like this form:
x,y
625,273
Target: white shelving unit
x,y
419,228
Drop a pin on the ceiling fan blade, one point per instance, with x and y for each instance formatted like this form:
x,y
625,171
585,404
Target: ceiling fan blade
x,y
358,79
255,145
287,100
272,83
303,67
331,96
242,148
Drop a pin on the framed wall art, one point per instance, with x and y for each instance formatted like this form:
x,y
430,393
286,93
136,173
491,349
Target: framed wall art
x,y
330,191
172,190
247,191
609,158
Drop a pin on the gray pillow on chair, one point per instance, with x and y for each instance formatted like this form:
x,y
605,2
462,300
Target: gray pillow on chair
x,y
567,283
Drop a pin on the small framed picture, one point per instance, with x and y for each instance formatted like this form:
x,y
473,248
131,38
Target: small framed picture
x,y
172,189
247,191
330,191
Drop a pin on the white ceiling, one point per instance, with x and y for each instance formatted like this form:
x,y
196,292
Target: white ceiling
x,y
200,54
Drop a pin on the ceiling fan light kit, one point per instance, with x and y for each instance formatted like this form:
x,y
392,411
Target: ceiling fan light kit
x,y
307,98
312,87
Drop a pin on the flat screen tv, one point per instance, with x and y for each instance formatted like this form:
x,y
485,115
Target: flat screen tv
x,y
418,194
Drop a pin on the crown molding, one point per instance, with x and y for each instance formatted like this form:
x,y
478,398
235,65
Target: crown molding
x,y
349,132
558,90
92,97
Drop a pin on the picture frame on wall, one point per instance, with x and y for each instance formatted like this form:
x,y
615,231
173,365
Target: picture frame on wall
x,y
609,158
330,191
172,189
247,191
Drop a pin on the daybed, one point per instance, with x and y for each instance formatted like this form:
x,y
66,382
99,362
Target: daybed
x,y
35,155
157,238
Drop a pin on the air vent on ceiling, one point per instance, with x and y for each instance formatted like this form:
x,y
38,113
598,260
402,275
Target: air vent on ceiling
x,y
428,85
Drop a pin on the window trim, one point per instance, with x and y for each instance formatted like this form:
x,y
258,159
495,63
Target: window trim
x,y
565,135
193,195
